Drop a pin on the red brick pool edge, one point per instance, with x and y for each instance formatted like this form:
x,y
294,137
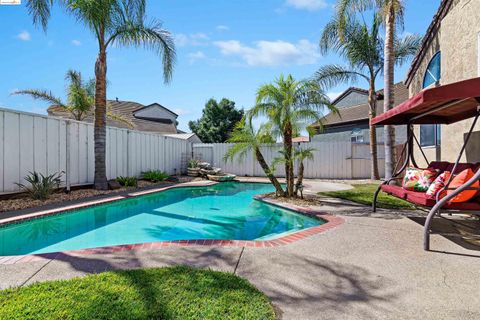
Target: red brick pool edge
x,y
331,222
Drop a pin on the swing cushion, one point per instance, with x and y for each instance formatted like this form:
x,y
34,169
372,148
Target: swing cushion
x,y
418,179
438,184
458,181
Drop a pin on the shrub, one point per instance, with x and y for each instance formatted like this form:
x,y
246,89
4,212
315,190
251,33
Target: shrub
x,y
193,163
127,181
155,175
40,186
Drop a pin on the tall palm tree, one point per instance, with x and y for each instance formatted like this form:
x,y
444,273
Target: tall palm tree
x,y
290,106
392,13
80,98
112,22
245,139
362,48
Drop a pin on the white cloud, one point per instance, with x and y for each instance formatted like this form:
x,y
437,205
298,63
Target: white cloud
x,y
271,53
76,42
193,39
181,112
333,95
24,36
222,28
194,56
310,5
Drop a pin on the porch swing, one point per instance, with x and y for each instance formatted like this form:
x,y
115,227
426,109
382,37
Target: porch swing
x,y
440,105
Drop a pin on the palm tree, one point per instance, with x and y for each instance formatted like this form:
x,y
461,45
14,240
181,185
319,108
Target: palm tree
x,y
290,105
392,13
113,22
80,98
245,139
362,47
301,155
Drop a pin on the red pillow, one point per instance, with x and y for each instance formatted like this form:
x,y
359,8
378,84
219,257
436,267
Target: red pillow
x,y
458,181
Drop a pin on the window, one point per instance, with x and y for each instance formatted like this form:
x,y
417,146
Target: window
x,y
430,134
432,74
357,136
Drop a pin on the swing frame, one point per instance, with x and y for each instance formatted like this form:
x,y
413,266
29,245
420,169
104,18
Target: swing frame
x,y
441,105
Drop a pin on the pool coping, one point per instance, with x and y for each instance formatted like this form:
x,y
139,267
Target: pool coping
x,y
331,221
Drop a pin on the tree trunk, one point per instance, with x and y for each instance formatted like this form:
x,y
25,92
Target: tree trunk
x,y
100,128
301,170
268,172
389,131
287,143
372,102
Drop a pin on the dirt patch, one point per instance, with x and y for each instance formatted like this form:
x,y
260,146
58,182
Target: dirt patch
x,y
22,201
308,200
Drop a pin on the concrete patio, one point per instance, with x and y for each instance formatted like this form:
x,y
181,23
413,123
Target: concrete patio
x,y
370,267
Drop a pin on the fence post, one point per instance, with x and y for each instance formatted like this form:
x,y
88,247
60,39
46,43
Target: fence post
x,y
67,155
128,153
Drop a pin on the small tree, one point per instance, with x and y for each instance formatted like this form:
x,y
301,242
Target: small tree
x,y
80,98
290,105
301,155
246,139
217,122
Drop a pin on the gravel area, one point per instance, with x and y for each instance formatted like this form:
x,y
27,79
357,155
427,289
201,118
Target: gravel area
x,y
22,201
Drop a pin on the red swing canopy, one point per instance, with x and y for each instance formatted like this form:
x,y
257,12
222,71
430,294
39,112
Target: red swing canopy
x,y
440,105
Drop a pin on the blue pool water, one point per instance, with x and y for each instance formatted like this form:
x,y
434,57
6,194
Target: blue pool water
x,y
222,211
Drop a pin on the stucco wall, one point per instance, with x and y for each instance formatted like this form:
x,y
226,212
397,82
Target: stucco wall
x,y
458,40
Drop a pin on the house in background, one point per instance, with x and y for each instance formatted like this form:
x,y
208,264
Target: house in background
x,y
151,118
450,52
352,122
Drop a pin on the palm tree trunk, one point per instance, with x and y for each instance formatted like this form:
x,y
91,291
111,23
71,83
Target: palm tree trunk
x,y
301,170
288,159
372,102
389,131
268,172
100,128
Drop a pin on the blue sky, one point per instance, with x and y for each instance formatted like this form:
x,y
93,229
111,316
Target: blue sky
x,y
224,49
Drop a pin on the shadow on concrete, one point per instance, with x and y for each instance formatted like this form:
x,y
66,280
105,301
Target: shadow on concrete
x,y
462,227
320,287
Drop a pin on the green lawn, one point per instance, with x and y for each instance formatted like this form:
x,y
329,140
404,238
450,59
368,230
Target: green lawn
x,y
164,293
363,194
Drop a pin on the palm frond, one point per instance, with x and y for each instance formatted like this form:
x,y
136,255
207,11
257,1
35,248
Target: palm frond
x,y
332,75
44,95
150,36
40,11
406,47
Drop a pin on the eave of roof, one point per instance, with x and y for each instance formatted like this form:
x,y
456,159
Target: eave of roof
x,y
347,92
155,104
427,39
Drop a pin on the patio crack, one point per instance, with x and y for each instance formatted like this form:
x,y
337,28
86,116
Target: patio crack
x,y
36,272
238,261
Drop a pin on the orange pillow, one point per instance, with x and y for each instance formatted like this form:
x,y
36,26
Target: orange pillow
x,y
458,181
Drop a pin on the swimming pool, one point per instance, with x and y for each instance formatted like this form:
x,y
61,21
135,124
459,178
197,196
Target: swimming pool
x,y
221,211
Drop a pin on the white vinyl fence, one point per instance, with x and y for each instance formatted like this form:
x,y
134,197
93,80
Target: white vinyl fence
x,y
31,142
332,160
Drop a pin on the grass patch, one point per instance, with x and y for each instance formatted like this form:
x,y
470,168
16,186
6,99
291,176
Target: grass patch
x,y
363,194
160,293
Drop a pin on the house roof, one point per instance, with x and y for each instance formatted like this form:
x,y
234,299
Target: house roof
x,y
155,104
347,92
360,112
427,39
126,110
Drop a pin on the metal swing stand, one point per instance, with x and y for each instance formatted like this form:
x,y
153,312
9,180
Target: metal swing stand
x,y
433,112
